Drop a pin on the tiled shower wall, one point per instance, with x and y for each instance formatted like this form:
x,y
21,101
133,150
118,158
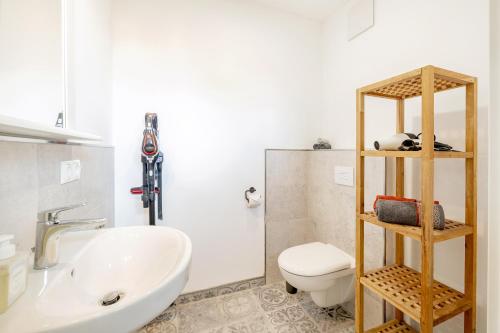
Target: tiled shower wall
x,y
30,183
304,204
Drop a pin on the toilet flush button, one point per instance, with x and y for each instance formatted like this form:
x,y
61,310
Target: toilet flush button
x,y
344,175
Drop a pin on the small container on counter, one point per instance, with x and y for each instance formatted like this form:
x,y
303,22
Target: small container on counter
x,y
13,272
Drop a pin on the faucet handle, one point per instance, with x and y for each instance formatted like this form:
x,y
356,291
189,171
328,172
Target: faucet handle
x,y
51,215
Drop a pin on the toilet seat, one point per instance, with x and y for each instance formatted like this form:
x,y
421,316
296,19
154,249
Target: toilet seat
x,y
314,259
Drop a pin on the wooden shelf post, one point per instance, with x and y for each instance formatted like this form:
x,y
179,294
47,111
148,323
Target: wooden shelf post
x,y
471,204
427,186
360,198
400,191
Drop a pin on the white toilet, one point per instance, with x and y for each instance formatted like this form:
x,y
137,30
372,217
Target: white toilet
x,y
322,269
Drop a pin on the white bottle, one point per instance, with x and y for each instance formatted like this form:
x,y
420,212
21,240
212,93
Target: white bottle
x,y
13,272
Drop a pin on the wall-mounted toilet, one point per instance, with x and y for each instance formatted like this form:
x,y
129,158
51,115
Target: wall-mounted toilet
x,y
322,269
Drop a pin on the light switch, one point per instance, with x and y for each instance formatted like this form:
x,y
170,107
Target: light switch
x,y
70,171
344,175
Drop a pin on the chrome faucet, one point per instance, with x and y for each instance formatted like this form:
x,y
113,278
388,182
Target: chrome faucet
x,y
48,229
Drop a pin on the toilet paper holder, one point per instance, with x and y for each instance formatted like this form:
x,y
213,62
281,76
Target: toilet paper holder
x,y
250,190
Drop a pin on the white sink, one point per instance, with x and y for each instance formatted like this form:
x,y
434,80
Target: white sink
x,y
147,266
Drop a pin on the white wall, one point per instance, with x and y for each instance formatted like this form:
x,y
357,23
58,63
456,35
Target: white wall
x,y
407,35
494,177
31,79
89,67
227,79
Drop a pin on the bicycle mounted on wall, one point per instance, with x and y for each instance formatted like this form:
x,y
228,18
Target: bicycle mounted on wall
x,y
152,160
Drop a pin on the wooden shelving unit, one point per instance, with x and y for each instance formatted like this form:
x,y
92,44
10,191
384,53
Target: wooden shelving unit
x,y
413,293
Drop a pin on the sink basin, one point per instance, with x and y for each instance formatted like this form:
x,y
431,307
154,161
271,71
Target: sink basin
x,y
111,280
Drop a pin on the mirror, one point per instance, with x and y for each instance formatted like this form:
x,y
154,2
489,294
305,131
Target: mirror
x,y
32,60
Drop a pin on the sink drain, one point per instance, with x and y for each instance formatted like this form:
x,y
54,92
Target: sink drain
x,y
111,298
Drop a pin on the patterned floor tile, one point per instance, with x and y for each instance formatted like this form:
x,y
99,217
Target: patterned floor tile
x,y
215,312
160,327
255,324
262,309
221,290
274,296
239,305
334,319
347,330
292,319
169,314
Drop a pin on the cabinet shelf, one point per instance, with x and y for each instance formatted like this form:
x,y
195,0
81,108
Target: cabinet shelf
x,y
452,229
400,286
393,326
416,154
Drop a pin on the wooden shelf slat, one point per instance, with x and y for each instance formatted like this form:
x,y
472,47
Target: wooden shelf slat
x,y
409,84
400,286
372,88
453,154
454,76
391,153
452,229
415,154
393,326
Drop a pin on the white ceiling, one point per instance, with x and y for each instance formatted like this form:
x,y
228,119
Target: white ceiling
x,y
314,9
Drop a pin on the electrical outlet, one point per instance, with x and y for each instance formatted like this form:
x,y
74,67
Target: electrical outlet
x,y
70,171
344,175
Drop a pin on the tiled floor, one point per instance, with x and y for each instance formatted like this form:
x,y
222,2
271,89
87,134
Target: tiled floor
x,y
266,308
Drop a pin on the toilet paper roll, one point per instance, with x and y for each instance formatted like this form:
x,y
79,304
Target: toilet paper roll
x,y
254,200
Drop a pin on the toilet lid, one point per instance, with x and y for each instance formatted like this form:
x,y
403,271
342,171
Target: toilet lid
x,y
314,259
